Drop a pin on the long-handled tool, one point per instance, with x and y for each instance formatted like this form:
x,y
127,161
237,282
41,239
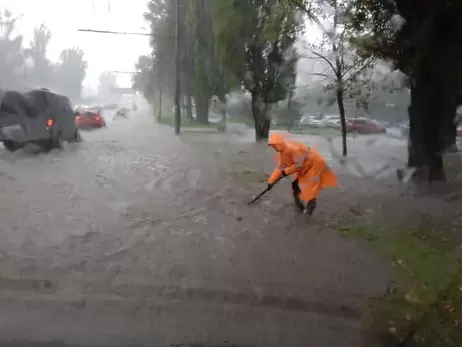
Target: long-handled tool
x,y
264,192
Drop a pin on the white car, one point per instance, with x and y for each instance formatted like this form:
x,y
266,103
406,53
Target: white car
x,y
329,120
333,123
316,123
310,122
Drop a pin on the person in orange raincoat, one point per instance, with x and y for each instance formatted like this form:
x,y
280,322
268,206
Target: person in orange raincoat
x,y
310,169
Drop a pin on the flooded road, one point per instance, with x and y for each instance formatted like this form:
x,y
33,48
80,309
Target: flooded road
x,y
137,237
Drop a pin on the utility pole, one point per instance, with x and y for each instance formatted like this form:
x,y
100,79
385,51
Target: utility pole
x,y
177,71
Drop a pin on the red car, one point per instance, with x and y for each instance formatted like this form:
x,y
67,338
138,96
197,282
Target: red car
x,y
86,119
365,126
459,131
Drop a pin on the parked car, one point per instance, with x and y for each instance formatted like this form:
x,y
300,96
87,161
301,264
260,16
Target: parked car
x,y
459,131
89,118
333,123
365,126
309,121
328,119
37,116
315,123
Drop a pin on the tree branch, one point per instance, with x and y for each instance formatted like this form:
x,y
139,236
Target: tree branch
x,y
320,56
321,75
306,10
366,65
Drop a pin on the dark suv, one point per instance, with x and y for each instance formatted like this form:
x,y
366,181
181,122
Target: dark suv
x,y
37,116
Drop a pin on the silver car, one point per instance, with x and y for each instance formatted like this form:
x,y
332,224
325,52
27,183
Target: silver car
x,y
37,116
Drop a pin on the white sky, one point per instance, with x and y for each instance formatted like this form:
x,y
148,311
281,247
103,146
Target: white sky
x,y
103,52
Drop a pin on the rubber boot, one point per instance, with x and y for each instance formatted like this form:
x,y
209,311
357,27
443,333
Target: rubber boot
x,y
296,194
310,207
298,203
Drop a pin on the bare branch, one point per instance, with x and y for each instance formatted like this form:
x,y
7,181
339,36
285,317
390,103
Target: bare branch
x,y
321,75
306,86
365,62
320,56
357,73
357,85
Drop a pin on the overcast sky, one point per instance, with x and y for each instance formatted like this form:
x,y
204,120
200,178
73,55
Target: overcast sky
x,y
103,52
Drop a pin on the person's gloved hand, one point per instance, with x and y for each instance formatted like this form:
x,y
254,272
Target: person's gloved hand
x,y
270,186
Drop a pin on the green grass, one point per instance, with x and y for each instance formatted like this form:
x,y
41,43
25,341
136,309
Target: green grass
x,y
427,295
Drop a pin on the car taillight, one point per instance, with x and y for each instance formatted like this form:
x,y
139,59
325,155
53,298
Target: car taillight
x,y
49,122
97,118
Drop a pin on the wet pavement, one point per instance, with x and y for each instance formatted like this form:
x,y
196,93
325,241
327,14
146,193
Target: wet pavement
x,y
136,237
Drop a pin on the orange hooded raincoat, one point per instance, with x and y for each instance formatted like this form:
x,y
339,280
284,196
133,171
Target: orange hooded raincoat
x,y
306,163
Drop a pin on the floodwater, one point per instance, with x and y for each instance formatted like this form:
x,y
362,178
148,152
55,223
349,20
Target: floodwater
x,y
137,237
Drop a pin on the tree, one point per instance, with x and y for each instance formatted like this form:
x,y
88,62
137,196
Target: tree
x,y
71,72
201,28
11,58
144,78
210,70
107,81
41,72
348,75
161,18
424,40
257,38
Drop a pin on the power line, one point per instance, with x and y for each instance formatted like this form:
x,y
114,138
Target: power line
x,y
94,31
113,32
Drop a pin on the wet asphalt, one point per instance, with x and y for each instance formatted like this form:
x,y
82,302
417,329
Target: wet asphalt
x,y
135,237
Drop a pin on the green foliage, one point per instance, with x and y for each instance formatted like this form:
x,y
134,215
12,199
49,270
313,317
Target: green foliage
x,y
345,71
71,72
65,77
41,73
161,17
255,39
145,77
216,56
11,57
205,64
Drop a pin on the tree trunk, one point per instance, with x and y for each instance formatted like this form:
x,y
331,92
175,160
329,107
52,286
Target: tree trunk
x,y
222,125
159,110
183,106
341,110
189,113
262,129
433,106
262,124
202,110
435,89
290,116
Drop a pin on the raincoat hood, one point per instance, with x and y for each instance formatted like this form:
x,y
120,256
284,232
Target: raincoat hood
x,y
277,141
